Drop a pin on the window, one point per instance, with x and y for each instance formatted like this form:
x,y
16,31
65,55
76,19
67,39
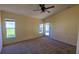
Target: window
x,y
41,28
10,28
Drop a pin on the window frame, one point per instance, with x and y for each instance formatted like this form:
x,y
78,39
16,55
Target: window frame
x,y
10,20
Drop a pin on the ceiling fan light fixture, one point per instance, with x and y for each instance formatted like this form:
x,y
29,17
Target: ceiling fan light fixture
x,y
44,9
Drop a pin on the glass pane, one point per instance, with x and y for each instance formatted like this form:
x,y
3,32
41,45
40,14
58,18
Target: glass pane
x,y
10,32
10,24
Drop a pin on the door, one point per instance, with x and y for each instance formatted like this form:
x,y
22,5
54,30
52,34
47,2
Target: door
x,y
47,29
0,38
0,35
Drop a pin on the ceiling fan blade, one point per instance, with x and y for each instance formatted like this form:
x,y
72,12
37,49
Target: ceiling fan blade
x,y
50,7
48,11
37,10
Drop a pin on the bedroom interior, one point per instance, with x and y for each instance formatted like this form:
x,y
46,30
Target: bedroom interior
x,y
39,29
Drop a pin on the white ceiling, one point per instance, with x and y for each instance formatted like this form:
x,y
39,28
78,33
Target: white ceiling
x,y
27,9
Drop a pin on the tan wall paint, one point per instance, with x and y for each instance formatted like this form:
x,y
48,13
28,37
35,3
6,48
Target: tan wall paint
x,y
64,25
26,27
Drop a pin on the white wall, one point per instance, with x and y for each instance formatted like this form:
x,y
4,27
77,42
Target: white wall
x,y
0,34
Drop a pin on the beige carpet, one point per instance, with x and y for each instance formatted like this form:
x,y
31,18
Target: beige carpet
x,y
42,45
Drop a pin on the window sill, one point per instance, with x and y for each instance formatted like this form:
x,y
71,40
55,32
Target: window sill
x,y
12,38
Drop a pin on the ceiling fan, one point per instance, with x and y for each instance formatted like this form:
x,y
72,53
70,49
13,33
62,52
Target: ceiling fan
x,y
43,8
